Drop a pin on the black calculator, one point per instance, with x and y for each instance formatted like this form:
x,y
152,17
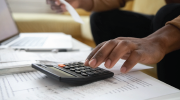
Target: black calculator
x,y
73,73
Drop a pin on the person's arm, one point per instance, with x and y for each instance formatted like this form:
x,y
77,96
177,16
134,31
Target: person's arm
x,y
148,50
104,5
88,5
176,24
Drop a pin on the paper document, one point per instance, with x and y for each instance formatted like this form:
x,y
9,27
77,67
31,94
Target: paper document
x,y
16,67
72,11
17,59
117,66
37,86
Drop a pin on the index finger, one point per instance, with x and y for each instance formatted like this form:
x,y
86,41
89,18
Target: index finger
x,y
92,53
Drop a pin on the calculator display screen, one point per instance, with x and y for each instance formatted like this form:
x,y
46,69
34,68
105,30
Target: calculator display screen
x,y
58,72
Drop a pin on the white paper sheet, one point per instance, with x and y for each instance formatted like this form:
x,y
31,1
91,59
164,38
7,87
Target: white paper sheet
x,y
146,88
12,85
131,86
8,55
72,11
118,65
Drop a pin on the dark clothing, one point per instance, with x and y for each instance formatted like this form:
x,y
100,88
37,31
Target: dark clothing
x,y
116,23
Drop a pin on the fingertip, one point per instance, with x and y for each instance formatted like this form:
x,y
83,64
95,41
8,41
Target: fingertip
x,y
108,63
92,63
86,63
123,69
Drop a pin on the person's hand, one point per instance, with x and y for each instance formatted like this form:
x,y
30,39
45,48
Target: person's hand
x,y
60,7
133,50
57,6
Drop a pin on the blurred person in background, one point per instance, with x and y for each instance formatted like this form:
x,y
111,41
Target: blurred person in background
x,y
135,37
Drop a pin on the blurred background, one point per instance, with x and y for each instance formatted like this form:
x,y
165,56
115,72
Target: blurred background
x,y
36,16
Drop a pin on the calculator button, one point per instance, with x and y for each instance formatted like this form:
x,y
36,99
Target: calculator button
x,y
77,68
90,73
76,65
84,74
83,71
81,64
66,64
48,65
88,70
93,69
72,69
66,67
61,65
95,72
71,66
81,68
87,67
78,71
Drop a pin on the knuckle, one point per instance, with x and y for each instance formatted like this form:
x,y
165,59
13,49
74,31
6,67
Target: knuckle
x,y
119,38
101,44
112,42
125,43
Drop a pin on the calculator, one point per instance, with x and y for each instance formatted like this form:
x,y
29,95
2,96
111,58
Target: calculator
x,y
73,73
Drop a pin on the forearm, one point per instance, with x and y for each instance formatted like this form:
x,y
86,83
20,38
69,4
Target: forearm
x,y
86,4
101,5
168,38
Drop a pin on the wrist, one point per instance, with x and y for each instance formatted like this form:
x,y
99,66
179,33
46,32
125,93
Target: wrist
x,y
159,42
167,38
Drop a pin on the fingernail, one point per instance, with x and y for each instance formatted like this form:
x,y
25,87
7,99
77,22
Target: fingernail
x,y
92,62
86,62
123,69
108,63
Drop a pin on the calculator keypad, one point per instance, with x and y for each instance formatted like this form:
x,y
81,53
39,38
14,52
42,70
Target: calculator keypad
x,y
79,68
